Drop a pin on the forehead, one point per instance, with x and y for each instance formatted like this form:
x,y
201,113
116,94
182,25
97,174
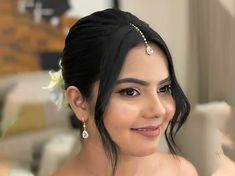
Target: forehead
x,y
141,65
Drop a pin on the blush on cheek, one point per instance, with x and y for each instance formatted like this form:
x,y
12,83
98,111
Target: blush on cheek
x,y
170,109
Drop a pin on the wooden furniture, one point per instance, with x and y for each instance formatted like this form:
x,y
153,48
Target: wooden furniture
x,y
22,40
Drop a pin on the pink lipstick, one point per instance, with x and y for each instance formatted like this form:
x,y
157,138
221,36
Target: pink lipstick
x,y
148,131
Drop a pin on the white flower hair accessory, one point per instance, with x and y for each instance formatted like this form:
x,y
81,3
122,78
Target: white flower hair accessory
x,y
57,89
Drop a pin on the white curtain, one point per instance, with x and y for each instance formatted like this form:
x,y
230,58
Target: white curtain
x,y
215,26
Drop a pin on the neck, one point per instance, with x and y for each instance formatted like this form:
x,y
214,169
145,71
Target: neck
x,y
93,159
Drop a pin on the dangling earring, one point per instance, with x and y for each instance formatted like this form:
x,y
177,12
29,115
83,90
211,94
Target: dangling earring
x,y
84,132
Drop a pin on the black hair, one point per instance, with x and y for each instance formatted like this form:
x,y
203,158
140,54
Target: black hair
x,y
95,49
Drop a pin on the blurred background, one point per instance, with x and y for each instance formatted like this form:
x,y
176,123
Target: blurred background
x,y
36,138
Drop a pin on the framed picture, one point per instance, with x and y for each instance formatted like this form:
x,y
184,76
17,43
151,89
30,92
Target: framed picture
x,y
32,37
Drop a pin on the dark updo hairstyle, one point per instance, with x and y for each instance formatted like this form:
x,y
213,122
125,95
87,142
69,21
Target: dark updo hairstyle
x,y
95,49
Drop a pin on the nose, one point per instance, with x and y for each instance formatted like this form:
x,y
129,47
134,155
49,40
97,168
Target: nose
x,y
155,107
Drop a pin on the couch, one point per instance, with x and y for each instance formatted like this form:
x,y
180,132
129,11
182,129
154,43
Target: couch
x,y
208,139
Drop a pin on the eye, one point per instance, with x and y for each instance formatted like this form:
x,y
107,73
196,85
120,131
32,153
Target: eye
x,y
131,92
165,89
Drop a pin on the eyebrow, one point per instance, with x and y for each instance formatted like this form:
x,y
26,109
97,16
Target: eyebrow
x,y
166,80
141,82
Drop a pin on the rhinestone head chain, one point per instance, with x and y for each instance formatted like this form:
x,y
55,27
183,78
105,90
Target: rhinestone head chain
x,y
149,50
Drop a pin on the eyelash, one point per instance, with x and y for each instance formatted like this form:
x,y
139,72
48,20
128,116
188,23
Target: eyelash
x,y
126,92
165,89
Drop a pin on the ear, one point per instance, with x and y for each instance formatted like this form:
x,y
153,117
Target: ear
x,y
77,103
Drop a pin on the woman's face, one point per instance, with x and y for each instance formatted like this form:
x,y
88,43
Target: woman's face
x,y
141,104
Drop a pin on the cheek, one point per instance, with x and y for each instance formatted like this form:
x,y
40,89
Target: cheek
x,y
119,117
119,114
170,111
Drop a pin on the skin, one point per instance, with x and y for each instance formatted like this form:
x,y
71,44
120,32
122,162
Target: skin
x,y
133,104
4,167
226,166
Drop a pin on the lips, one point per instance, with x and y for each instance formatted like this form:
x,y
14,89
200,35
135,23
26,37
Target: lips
x,y
148,131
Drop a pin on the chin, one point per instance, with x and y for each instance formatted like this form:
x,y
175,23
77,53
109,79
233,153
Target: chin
x,y
140,148
142,152
145,154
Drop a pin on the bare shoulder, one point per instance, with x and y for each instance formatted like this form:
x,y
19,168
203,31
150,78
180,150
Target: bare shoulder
x,y
186,167
177,165
62,171
59,172
69,168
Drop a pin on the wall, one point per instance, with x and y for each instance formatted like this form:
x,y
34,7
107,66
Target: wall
x,y
171,19
216,50
81,8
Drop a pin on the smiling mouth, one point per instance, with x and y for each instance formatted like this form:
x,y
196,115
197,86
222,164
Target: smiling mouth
x,y
149,131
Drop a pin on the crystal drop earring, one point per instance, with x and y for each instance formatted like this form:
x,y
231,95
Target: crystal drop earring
x,y
84,132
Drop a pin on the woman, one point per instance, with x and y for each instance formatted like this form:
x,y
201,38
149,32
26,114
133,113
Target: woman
x,y
120,83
